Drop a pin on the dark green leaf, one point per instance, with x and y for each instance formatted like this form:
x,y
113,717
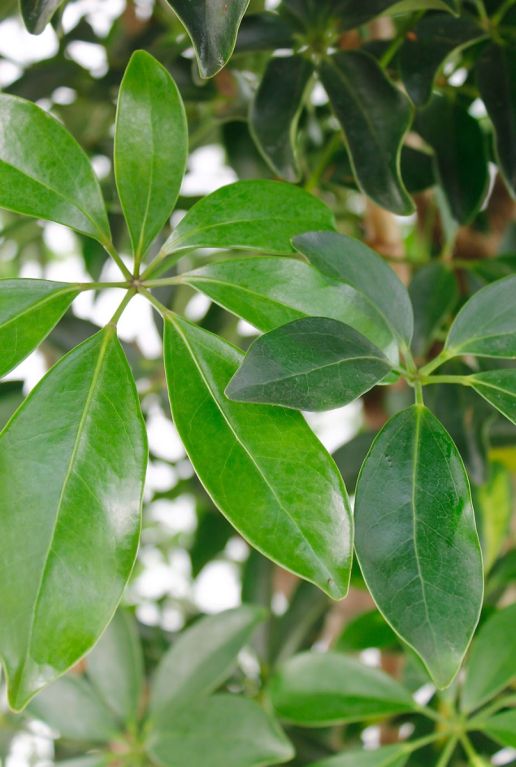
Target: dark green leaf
x,y
354,13
388,756
151,147
11,397
222,731
367,630
200,660
460,154
275,112
416,539
37,13
492,665
321,689
255,215
299,624
213,28
428,45
349,260
72,465
486,324
115,667
417,169
350,456
498,387
29,309
263,32
494,503
72,707
44,173
374,116
502,728
434,293
312,363
496,75
269,292
261,458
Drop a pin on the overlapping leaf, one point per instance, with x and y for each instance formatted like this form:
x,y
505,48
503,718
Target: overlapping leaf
x,y
388,756
498,387
434,293
37,13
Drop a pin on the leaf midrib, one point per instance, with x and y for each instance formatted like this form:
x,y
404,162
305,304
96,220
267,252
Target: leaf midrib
x,y
48,298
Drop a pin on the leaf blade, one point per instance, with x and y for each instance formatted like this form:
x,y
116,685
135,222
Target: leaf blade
x,y
498,387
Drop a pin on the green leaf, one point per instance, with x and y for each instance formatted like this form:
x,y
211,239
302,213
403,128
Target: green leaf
x,y
416,539
299,625
213,28
269,292
496,76
323,689
275,112
312,363
460,154
434,293
494,503
486,324
417,169
387,756
264,31
72,707
72,466
29,309
352,262
260,458
253,215
492,665
354,14
200,660
11,397
44,173
502,728
375,117
37,13
366,630
498,387
427,47
151,148
222,731
115,667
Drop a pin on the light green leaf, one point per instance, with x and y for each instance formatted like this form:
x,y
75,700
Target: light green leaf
x,y
200,660
375,117
388,756
502,728
44,173
323,689
37,13
213,28
151,148
253,215
494,503
492,665
29,309
349,260
72,466
72,707
275,112
496,76
312,363
261,458
222,731
434,293
486,324
498,387
416,539
115,667
269,292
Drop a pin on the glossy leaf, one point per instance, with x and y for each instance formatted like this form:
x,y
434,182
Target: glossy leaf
x,y
354,14
387,756
44,173
29,309
460,154
275,112
222,731
260,458
352,262
310,364
494,503
253,215
115,667
269,292
492,665
434,293
72,707
213,28
427,47
374,116
322,689
37,13
496,76
498,387
486,324
200,660
502,728
264,31
416,539
367,630
151,147
72,465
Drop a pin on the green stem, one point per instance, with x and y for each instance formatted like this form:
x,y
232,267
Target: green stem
x,y
474,758
484,18
116,316
110,248
177,280
100,285
478,720
431,714
330,149
162,309
418,391
414,745
398,41
450,379
441,358
500,13
447,752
